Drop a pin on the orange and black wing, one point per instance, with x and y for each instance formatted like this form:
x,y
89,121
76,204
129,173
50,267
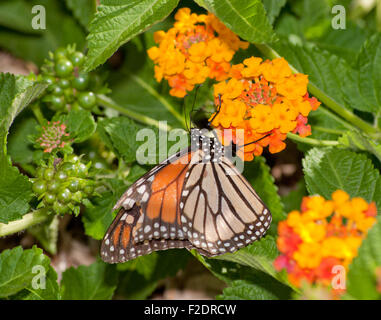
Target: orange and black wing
x,y
149,216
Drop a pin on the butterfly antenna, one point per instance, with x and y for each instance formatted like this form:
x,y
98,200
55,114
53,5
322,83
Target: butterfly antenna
x,y
246,144
185,115
194,102
218,110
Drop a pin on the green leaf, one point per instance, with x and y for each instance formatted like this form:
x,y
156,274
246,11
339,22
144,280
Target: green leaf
x,y
314,17
327,170
133,286
13,16
80,124
47,234
139,277
98,218
61,30
368,77
329,73
289,27
333,75
359,142
16,269
83,11
262,288
135,88
20,148
273,8
51,291
94,282
120,135
258,174
158,264
259,255
246,18
343,43
246,282
362,277
116,22
15,189
294,198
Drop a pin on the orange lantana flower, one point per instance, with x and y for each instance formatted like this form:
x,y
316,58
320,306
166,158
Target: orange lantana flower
x,y
276,102
196,48
324,234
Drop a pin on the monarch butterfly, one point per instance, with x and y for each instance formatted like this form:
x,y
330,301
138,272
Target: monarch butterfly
x,y
196,199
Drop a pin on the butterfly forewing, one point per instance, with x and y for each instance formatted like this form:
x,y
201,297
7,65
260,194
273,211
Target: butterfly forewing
x,y
149,213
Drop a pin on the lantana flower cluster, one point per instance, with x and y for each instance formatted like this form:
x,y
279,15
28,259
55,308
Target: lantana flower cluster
x,y
266,100
324,234
53,136
196,48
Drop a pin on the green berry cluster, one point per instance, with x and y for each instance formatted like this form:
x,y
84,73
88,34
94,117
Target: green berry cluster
x,y
69,87
63,185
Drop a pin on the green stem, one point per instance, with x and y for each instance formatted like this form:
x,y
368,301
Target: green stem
x,y
109,103
340,110
324,98
378,15
37,113
336,118
164,102
311,141
28,220
329,130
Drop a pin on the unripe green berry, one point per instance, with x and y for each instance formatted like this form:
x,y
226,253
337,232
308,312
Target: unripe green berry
x,y
87,100
48,173
63,68
81,170
61,175
51,81
53,186
39,187
89,189
58,102
64,195
81,82
64,83
74,185
77,58
72,158
40,172
57,91
49,199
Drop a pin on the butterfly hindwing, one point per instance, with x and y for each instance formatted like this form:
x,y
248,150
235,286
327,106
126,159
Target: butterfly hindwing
x,y
221,210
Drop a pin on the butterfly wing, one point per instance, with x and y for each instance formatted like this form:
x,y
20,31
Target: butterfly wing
x,y
221,210
186,203
149,213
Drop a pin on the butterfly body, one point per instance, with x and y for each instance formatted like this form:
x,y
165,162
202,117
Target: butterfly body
x,y
196,199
